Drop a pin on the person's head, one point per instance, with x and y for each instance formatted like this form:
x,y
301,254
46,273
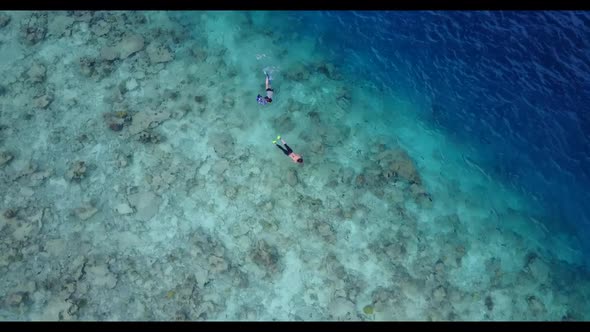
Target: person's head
x,y
268,99
300,160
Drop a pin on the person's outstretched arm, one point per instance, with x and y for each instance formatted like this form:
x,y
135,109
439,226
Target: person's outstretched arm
x,y
267,83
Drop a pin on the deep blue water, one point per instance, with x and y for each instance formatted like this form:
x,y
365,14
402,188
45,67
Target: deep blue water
x,y
514,85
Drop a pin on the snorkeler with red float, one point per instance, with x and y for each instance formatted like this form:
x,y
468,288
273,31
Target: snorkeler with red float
x,y
288,151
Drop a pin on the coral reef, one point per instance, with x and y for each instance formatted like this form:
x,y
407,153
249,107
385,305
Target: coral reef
x,y
85,212
159,53
130,44
171,208
33,29
76,171
149,137
5,157
298,73
37,73
266,257
222,143
147,119
328,69
4,20
146,204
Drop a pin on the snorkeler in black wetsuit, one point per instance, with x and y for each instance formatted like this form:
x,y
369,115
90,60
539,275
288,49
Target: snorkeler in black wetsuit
x,y
269,93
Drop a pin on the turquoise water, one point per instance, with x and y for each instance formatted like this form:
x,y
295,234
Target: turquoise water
x,y
139,180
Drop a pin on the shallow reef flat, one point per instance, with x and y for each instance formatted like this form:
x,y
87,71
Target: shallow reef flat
x,y
139,182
